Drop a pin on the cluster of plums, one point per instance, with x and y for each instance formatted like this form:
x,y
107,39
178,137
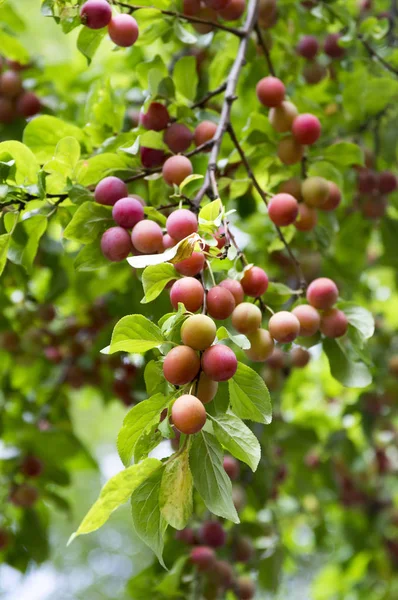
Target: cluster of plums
x,y
309,48
15,101
212,10
122,28
373,189
304,129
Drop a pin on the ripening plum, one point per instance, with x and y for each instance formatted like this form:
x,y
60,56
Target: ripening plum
x,y
189,291
393,365
204,132
334,323
267,13
181,365
283,209
206,389
151,158
277,359
309,319
367,181
282,116
181,223
208,14
235,288
284,327
291,186
178,137
28,105
191,266
306,129
262,345
239,497
374,208
156,117
127,212
334,197
216,4
289,151
219,362
243,549
246,318
300,357
314,72
96,14
123,30
191,8
116,244
147,237
213,534
387,182
254,282
203,557
315,191
220,303
307,218
24,496
331,46
270,91
223,574
32,466
187,536
176,169
246,588
10,84
110,190
322,293
168,242
231,467
233,10
188,414
198,332
308,47
7,111
4,539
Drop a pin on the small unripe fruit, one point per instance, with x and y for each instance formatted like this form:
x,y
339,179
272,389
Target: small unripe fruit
x,y
123,30
116,244
191,266
308,47
331,46
147,237
254,282
307,218
203,557
188,414
322,293
313,73
181,223
198,332
32,466
189,291
204,132
387,182
176,169
110,190
219,363
178,137
309,319
289,151
220,303
267,13
127,212
284,327
235,288
96,14
207,389
315,191
231,467
151,158
156,117
300,357
245,588
213,534
334,323
246,318
181,366
243,549
233,10
334,197
262,345
28,105
306,129
270,91
283,209
291,186
282,117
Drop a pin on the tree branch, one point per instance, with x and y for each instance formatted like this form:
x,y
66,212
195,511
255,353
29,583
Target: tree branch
x,y
209,95
372,52
266,51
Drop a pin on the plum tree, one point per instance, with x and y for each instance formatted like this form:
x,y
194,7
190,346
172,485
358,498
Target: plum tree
x,y
190,266
283,209
307,218
220,302
110,190
198,332
315,191
235,288
289,151
213,534
189,291
300,357
206,389
233,10
262,345
28,104
282,116
176,169
322,293
203,557
178,137
334,323
306,129
96,14
127,212
116,244
123,30
188,414
284,326
308,47
334,198
32,466
246,318
181,365
219,362
231,467
204,132
332,47
270,91
254,282
181,223
191,7
156,117
147,237
367,181
309,319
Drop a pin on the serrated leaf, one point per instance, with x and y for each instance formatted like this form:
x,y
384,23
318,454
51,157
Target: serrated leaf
x,y
237,438
154,280
175,499
135,334
249,395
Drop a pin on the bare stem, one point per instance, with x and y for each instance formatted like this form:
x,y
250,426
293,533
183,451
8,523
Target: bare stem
x,y
266,51
209,96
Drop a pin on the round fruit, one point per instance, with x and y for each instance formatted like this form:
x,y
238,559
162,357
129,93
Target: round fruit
x,y
334,197
203,557
277,359
289,151
235,288
187,536
10,84
190,266
306,129
267,13
233,10
116,244
24,496
96,14
243,549
322,293
127,212
291,186
204,132
283,209
220,303
191,8
198,332
209,14
213,534
28,105
168,242
151,158
219,362
178,137
245,588
254,282
231,467
207,388
188,414
123,30
367,181
110,190
147,237
307,218
156,117
308,47
189,291
270,91
32,466
309,319
262,345
7,111
176,169
334,323
331,46
246,318
281,117
284,327
300,357
181,365
387,182
181,223
315,191
313,72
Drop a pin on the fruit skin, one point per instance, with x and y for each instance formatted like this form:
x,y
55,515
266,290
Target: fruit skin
x,y
219,362
188,414
24,496
168,242
313,72
282,116
334,197
291,186
367,181
245,588
213,534
267,13
147,237
204,132
306,129
334,323
315,191
207,389
178,137
289,151
235,288
176,169
284,327
96,14
181,223
309,319
156,117
187,536
10,85
393,365
189,291
270,91
151,158
220,303
277,359
110,190
203,557
231,467
254,282
331,46
116,244
233,10
243,549
181,365
283,209
300,357
127,212
28,105
322,293
308,47
123,30
7,111
246,318
191,7
192,265
32,466
205,12
198,332
387,182
262,345
307,218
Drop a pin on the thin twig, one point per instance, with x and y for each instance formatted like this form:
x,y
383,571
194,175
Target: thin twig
x,y
372,52
264,49
209,95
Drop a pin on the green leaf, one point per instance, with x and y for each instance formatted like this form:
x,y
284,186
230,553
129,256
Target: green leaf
x,y
90,258
114,493
249,395
349,372
175,497
43,133
237,438
89,40
169,586
92,170
210,212
278,293
12,48
239,339
66,156
148,521
26,165
25,241
189,179
4,244
89,222
135,334
360,318
155,278
344,154
138,420
186,77
155,382
210,478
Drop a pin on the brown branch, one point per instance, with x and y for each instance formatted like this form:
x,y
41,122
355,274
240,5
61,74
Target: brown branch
x,y
372,52
266,51
209,95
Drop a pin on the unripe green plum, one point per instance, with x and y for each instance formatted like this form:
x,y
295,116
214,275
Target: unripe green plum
x,y
220,303
246,318
219,362
284,327
289,151
315,191
176,169
147,237
270,91
178,137
254,282
192,265
300,357
123,30
235,288
307,218
282,116
181,223
262,345
188,414
283,209
334,323
322,293
309,319
207,388
198,332
181,365
189,291
204,132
